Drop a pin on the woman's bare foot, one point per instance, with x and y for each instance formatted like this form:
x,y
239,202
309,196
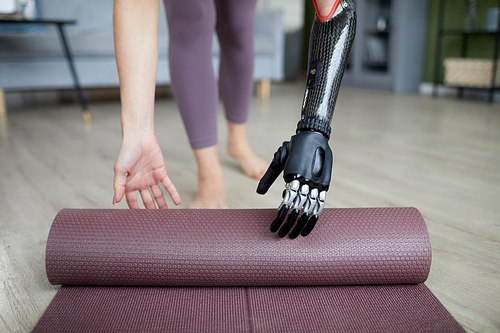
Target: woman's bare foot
x,y
210,180
210,195
239,149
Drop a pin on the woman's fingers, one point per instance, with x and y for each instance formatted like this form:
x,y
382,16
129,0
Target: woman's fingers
x,y
158,195
132,200
172,191
147,199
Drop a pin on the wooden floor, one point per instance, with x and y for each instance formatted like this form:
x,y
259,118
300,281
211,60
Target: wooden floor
x,y
439,155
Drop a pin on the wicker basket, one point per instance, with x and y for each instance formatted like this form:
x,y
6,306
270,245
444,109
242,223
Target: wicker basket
x,y
469,72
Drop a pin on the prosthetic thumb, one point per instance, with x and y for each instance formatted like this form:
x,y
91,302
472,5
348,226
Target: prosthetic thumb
x,y
274,170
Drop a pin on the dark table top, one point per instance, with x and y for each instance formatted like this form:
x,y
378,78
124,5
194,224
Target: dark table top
x,y
37,21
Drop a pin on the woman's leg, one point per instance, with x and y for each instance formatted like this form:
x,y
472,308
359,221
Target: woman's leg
x,y
238,148
235,29
191,26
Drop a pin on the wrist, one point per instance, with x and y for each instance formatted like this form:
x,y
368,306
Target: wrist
x,y
316,125
134,133
136,125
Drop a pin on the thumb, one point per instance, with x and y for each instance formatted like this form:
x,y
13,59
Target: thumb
x,y
119,182
274,170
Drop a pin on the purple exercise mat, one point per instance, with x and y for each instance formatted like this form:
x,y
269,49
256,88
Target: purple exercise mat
x,y
383,308
235,248
223,271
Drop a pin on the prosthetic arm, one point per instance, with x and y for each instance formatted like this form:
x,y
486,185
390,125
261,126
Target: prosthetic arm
x,y
306,160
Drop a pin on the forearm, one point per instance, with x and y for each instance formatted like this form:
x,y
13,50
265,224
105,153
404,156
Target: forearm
x,y
135,25
329,48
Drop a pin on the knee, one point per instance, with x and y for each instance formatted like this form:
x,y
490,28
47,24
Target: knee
x,y
234,31
236,24
189,20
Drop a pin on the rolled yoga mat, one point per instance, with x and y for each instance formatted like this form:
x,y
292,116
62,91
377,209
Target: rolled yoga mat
x,y
361,270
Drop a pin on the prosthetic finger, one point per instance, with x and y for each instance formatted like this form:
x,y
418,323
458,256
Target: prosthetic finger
x,y
298,202
275,225
291,190
306,212
311,222
298,228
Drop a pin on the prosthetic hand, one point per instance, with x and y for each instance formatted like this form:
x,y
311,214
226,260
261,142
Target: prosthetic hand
x,y
307,160
307,164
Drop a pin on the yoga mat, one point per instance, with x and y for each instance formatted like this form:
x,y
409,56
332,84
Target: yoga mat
x,y
361,270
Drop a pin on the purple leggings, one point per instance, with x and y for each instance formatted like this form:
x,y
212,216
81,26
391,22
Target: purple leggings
x,y
191,25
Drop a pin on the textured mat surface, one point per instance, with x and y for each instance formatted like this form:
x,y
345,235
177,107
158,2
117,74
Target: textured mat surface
x,y
235,248
222,271
394,308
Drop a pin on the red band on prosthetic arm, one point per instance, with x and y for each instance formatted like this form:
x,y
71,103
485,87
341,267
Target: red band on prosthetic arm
x,y
325,18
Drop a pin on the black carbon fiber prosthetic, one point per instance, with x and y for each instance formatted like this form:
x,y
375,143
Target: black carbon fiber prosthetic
x,y
314,124
330,43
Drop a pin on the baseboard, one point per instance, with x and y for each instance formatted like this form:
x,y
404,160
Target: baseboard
x,y
427,88
32,98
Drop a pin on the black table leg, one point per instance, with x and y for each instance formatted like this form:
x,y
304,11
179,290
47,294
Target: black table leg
x,y
491,94
437,55
463,54
69,57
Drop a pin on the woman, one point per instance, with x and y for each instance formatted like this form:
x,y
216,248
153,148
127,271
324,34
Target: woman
x,y
140,165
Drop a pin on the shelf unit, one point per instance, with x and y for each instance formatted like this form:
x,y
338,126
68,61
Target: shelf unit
x,y
389,56
466,35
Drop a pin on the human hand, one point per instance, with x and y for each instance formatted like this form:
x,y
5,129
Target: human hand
x,y
140,167
307,162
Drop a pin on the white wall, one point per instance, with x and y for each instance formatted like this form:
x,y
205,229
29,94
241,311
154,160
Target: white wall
x,y
293,12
